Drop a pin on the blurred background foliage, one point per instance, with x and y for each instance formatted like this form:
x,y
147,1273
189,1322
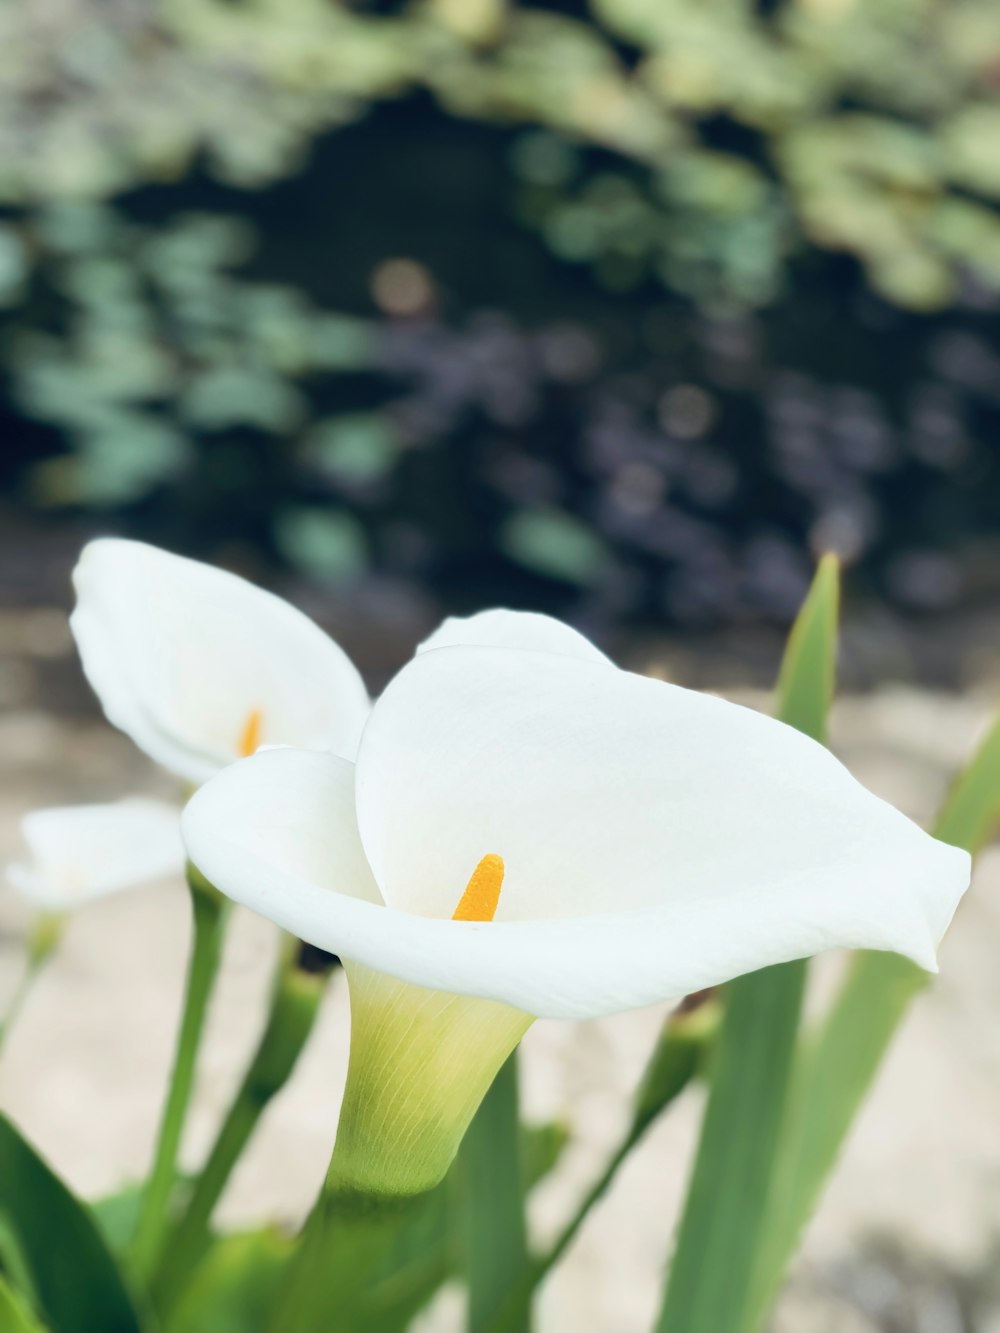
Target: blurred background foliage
x,y
623,310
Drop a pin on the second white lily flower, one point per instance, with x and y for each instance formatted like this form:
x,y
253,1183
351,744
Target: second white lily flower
x,y
198,667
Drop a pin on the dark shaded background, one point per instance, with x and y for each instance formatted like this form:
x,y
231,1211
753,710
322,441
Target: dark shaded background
x,y
622,313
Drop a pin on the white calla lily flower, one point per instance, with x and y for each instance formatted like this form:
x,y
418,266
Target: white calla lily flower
x,y
606,841
200,667
654,840
77,853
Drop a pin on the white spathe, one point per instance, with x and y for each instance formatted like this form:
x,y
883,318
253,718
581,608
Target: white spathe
x,y
77,853
500,628
193,664
182,656
656,840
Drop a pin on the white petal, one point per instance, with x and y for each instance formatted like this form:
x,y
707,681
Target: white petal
x,y
276,832
182,655
527,630
734,840
76,853
291,810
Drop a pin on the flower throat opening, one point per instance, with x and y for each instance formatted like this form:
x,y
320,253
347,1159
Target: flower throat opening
x,y
482,893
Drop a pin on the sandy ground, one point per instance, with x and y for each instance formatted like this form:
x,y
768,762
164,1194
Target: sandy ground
x,y
84,1069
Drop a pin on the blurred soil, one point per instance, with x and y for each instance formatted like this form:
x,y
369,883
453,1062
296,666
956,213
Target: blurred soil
x,y
904,1242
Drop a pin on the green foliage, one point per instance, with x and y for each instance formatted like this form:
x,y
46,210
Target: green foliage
x,y
971,812
742,1134
541,1148
234,1286
51,1247
738,1146
838,1063
808,670
295,1001
556,544
833,1072
489,1168
860,120
365,1263
15,1316
158,320
328,544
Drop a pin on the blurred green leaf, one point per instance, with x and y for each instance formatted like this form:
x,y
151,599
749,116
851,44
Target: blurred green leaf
x,y
358,449
243,396
327,544
556,544
972,147
710,1282
971,810
117,1216
338,342
122,457
542,1146
15,1316
232,1290
896,100
77,1284
14,267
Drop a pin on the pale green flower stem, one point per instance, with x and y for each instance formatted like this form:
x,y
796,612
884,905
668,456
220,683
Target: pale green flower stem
x,y
42,940
420,1063
210,912
295,1002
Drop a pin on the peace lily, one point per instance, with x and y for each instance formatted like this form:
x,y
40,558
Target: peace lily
x,y
529,831
198,667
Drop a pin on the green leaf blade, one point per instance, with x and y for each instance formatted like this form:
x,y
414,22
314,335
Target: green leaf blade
x,y
972,808
808,669
711,1281
490,1175
78,1286
837,1067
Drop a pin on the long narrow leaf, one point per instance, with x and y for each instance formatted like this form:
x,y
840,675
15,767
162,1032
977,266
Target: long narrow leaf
x,y
838,1065
972,810
492,1215
711,1278
73,1275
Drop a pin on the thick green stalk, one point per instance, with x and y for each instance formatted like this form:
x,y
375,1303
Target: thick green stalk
x,y
421,1062
347,1250
294,1005
210,915
495,1239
